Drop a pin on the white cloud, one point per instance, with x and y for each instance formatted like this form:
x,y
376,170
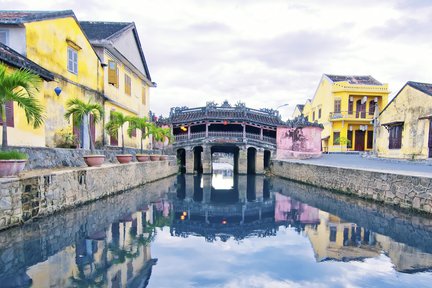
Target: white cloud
x,y
265,53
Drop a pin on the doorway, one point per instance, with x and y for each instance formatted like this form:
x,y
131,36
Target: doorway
x,y
359,140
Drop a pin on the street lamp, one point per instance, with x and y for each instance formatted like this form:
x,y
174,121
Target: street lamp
x,y
283,105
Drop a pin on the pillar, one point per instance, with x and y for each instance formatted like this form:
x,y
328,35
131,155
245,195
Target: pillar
x,y
242,161
259,162
206,160
189,160
207,188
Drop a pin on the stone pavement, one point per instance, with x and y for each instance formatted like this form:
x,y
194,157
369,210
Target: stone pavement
x,y
422,168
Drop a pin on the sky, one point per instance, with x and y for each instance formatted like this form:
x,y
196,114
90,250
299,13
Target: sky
x,y
265,53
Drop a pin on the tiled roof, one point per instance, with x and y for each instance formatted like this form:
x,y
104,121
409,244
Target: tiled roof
x,y
300,107
423,87
13,58
19,17
102,30
352,79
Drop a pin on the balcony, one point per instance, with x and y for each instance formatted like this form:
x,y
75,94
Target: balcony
x,y
226,135
359,116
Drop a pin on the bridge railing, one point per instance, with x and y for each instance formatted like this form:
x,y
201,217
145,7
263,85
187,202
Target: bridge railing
x,y
223,134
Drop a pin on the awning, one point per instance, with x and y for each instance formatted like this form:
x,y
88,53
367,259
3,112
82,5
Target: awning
x,y
394,123
425,117
325,138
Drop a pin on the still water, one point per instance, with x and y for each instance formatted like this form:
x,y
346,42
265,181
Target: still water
x,y
221,230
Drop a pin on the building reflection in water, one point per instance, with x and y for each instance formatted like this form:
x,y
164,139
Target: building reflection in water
x,y
251,209
118,256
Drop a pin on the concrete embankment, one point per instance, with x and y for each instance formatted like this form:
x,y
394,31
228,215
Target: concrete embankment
x,y
403,190
40,193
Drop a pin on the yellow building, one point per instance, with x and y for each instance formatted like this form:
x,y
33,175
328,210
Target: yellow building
x,y
20,133
345,105
406,124
126,79
55,41
298,110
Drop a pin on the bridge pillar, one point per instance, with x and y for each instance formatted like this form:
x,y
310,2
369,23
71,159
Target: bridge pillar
x,y
207,188
259,162
189,161
207,161
242,161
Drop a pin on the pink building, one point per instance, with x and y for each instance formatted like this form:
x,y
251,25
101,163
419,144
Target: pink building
x,y
298,143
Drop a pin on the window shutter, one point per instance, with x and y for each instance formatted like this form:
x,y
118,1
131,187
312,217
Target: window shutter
x,y
10,114
369,139
112,73
350,107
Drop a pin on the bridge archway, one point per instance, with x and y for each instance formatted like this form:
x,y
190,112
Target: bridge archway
x,y
198,165
228,149
181,159
267,155
251,160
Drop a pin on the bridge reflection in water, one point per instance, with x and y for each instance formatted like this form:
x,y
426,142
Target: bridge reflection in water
x,y
257,206
108,243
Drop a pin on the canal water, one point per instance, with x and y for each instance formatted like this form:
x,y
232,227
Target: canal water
x,y
221,230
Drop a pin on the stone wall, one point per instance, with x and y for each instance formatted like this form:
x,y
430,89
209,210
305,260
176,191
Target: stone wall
x,y
401,190
41,158
44,193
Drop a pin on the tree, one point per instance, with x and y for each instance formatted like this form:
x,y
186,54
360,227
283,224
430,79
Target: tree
x,y
21,87
141,124
162,134
80,112
116,122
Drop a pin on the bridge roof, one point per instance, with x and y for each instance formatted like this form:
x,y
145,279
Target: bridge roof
x,y
181,115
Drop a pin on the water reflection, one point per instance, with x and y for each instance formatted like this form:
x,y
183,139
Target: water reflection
x,y
112,242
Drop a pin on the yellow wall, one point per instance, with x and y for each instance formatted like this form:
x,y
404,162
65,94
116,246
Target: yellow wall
x,y
47,45
324,98
131,105
408,106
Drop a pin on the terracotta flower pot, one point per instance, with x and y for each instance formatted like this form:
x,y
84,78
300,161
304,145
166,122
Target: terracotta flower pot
x,y
94,160
11,167
124,158
154,157
163,157
142,157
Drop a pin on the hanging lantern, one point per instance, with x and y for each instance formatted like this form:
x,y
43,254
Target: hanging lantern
x,y
225,122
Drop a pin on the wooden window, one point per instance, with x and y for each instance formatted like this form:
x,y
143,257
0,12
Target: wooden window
x,y
133,133
337,106
372,105
333,233
113,73
395,136
128,85
336,138
72,60
319,113
369,139
144,96
313,116
9,114
350,139
350,107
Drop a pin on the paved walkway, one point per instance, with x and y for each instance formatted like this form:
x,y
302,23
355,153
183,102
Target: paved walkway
x,y
404,167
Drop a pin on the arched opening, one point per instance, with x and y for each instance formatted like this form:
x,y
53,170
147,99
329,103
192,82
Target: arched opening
x,y
181,186
267,155
198,167
251,160
181,160
251,188
198,189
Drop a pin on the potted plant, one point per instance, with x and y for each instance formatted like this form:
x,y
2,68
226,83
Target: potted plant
x,y
141,124
80,112
116,122
163,135
19,86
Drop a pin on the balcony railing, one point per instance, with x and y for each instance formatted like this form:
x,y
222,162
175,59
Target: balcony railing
x,y
343,115
224,134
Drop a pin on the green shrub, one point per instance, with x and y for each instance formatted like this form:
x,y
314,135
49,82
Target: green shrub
x,y
12,154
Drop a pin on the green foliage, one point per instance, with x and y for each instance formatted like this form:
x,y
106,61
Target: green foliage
x,y
64,138
12,155
116,122
78,109
21,87
142,124
343,141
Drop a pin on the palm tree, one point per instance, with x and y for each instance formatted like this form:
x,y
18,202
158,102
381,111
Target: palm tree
x,y
162,134
116,122
80,112
21,87
142,124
